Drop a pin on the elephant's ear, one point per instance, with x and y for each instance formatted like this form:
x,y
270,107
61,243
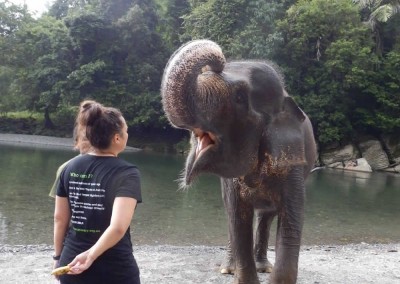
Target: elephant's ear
x,y
290,106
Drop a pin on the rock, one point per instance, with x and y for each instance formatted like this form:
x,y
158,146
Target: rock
x,y
360,165
395,169
393,144
372,151
338,155
337,165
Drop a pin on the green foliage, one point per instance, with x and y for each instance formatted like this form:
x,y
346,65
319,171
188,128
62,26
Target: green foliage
x,y
59,9
377,13
65,117
183,146
215,20
6,78
24,115
86,74
12,17
245,29
388,99
144,111
115,52
171,27
326,59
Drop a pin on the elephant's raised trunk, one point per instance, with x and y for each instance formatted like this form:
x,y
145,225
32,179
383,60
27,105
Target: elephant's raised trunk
x,y
180,79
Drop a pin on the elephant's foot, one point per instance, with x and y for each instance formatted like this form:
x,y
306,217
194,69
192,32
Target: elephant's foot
x,y
283,276
237,281
246,278
282,279
227,266
264,266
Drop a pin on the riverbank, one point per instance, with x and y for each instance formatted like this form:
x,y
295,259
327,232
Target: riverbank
x,y
360,263
43,141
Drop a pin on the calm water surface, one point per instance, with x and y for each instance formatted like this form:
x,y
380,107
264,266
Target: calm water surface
x,y
341,207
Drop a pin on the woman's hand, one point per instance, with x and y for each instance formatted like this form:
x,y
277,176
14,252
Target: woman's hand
x,y
80,263
56,264
123,210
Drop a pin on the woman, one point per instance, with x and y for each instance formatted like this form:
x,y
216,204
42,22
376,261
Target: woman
x,y
96,199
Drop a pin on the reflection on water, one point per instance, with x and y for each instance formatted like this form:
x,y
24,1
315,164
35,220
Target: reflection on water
x,y
341,206
345,206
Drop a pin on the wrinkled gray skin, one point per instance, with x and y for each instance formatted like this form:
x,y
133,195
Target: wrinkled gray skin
x,y
247,130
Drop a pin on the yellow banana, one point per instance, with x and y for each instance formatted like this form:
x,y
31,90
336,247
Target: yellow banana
x,y
60,270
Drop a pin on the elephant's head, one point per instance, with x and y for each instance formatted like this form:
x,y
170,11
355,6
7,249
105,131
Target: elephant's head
x,y
226,106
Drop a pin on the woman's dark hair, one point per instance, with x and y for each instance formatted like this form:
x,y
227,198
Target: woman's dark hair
x,y
101,123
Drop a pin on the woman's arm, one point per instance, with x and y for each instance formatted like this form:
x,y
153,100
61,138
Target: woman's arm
x,y
62,217
122,214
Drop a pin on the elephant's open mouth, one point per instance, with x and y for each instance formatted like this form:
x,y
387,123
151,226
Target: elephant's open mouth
x,y
205,140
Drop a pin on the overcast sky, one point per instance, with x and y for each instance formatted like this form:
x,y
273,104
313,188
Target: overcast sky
x,y
36,7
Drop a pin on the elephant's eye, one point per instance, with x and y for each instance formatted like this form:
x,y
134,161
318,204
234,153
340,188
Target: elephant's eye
x,y
240,97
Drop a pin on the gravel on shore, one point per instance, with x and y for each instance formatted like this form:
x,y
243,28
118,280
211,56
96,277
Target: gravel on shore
x,y
355,263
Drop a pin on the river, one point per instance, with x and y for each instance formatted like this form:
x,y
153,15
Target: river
x,y
341,207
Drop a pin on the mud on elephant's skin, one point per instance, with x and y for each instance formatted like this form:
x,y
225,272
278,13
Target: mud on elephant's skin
x,y
246,129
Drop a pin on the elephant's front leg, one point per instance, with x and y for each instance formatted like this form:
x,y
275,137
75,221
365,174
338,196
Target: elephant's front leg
x,y
228,264
240,215
290,224
263,221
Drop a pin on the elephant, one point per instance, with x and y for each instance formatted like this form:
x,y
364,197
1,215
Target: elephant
x,y
246,129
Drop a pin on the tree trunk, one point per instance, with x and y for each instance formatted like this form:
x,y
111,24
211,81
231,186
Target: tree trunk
x,y
47,121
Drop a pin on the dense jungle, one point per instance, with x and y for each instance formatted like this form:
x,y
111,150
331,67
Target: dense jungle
x,y
340,60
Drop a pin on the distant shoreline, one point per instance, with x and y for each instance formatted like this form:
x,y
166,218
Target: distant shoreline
x,y
43,142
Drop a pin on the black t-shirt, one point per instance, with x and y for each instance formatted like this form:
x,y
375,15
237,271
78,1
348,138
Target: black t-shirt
x,y
91,184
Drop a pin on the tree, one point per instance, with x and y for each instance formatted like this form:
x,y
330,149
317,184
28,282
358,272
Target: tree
x,y
244,28
59,9
113,10
378,12
378,111
120,59
256,38
45,60
172,22
215,20
12,17
143,54
325,58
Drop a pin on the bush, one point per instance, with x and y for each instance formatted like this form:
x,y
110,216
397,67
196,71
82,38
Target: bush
x,y
64,118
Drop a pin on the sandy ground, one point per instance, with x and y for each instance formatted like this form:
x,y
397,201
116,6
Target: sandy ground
x,y
353,263
361,264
